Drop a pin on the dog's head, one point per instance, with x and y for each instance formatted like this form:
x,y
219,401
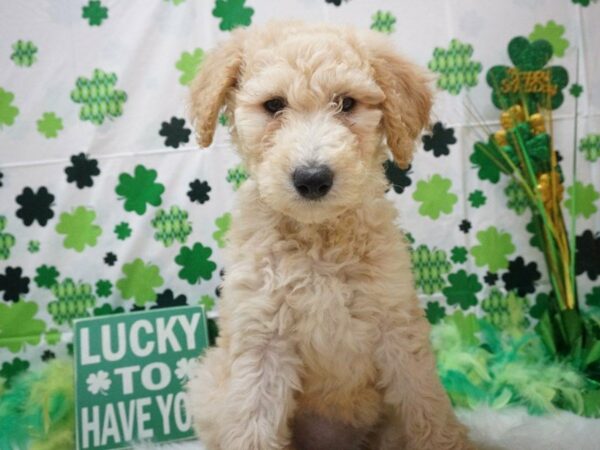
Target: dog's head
x,y
310,107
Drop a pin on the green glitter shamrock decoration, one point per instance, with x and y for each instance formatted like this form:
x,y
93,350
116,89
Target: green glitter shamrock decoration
x,y
576,90
49,125
505,311
429,267
236,176
434,196
46,276
171,226
590,146
458,254
33,246
455,67
493,249
98,97
18,326
140,282
553,33
122,230
434,312
8,112
582,199
517,198
530,80
195,263
189,64
462,290
208,302
223,224
79,228
103,288
23,54
73,301
477,198
7,241
233,13
383,21
94,12
140,189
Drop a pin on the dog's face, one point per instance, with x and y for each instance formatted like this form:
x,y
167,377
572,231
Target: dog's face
x,y
310,107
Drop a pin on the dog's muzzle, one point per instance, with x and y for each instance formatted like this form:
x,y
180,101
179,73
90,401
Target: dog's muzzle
x,y
313,182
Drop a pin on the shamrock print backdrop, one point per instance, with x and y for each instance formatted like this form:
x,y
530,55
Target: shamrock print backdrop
x,y
108,206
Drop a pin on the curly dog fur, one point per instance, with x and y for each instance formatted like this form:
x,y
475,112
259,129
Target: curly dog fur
x,y
322,341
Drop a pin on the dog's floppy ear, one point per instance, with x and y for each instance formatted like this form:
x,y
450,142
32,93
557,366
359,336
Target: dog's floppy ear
x,y
218,74
408,98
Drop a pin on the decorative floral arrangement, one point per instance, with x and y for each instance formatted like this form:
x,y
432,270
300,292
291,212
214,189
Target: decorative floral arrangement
x,y
523,148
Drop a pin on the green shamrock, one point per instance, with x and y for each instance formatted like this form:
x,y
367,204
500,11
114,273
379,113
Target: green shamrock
x,y
429,267
477,198
236,176
8,112
590,146
223,119
208,302
553,33
46,276
517,198
94,12
49,125
462,290
122,230
10,370
171,226
481,160
107,309
73,301
98,97
18,326
23,54
195,263
223,224
33,246
103,288
582,199
455,67
434,312
458,254
505,311
528,57
542,302
493,249
593,297
79,228
189,64
576,90
139,189
468,326
434,196
52,336
140,282
7,241
583,3
233,13
383,21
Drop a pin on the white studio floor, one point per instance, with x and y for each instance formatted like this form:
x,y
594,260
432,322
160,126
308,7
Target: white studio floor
x,y
507,429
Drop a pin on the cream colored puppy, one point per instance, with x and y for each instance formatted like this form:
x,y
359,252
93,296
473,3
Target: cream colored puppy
x,y
322,342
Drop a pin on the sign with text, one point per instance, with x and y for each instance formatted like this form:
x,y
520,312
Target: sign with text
x,y
129,374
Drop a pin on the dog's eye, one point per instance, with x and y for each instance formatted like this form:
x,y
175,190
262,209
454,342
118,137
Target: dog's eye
x,y
348,104
274,105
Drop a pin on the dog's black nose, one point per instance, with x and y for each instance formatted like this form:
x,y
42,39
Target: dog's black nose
x,y
313,182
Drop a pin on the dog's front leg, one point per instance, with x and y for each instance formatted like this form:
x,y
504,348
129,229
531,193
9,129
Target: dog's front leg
x,y
259,399
421,415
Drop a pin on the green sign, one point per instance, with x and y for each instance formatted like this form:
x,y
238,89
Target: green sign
x,y
129,373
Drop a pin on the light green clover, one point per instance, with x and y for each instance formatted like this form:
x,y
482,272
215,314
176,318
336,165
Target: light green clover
x,y
8,112
18,326
49,125
188,64
140,281
223,224
553,33
79,228
582,199
434,197
493,249
7,241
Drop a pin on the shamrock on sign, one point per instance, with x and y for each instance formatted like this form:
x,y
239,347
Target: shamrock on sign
x,y
99,382
185,369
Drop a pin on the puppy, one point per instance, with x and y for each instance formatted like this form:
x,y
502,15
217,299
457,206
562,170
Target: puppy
x,y
322,341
